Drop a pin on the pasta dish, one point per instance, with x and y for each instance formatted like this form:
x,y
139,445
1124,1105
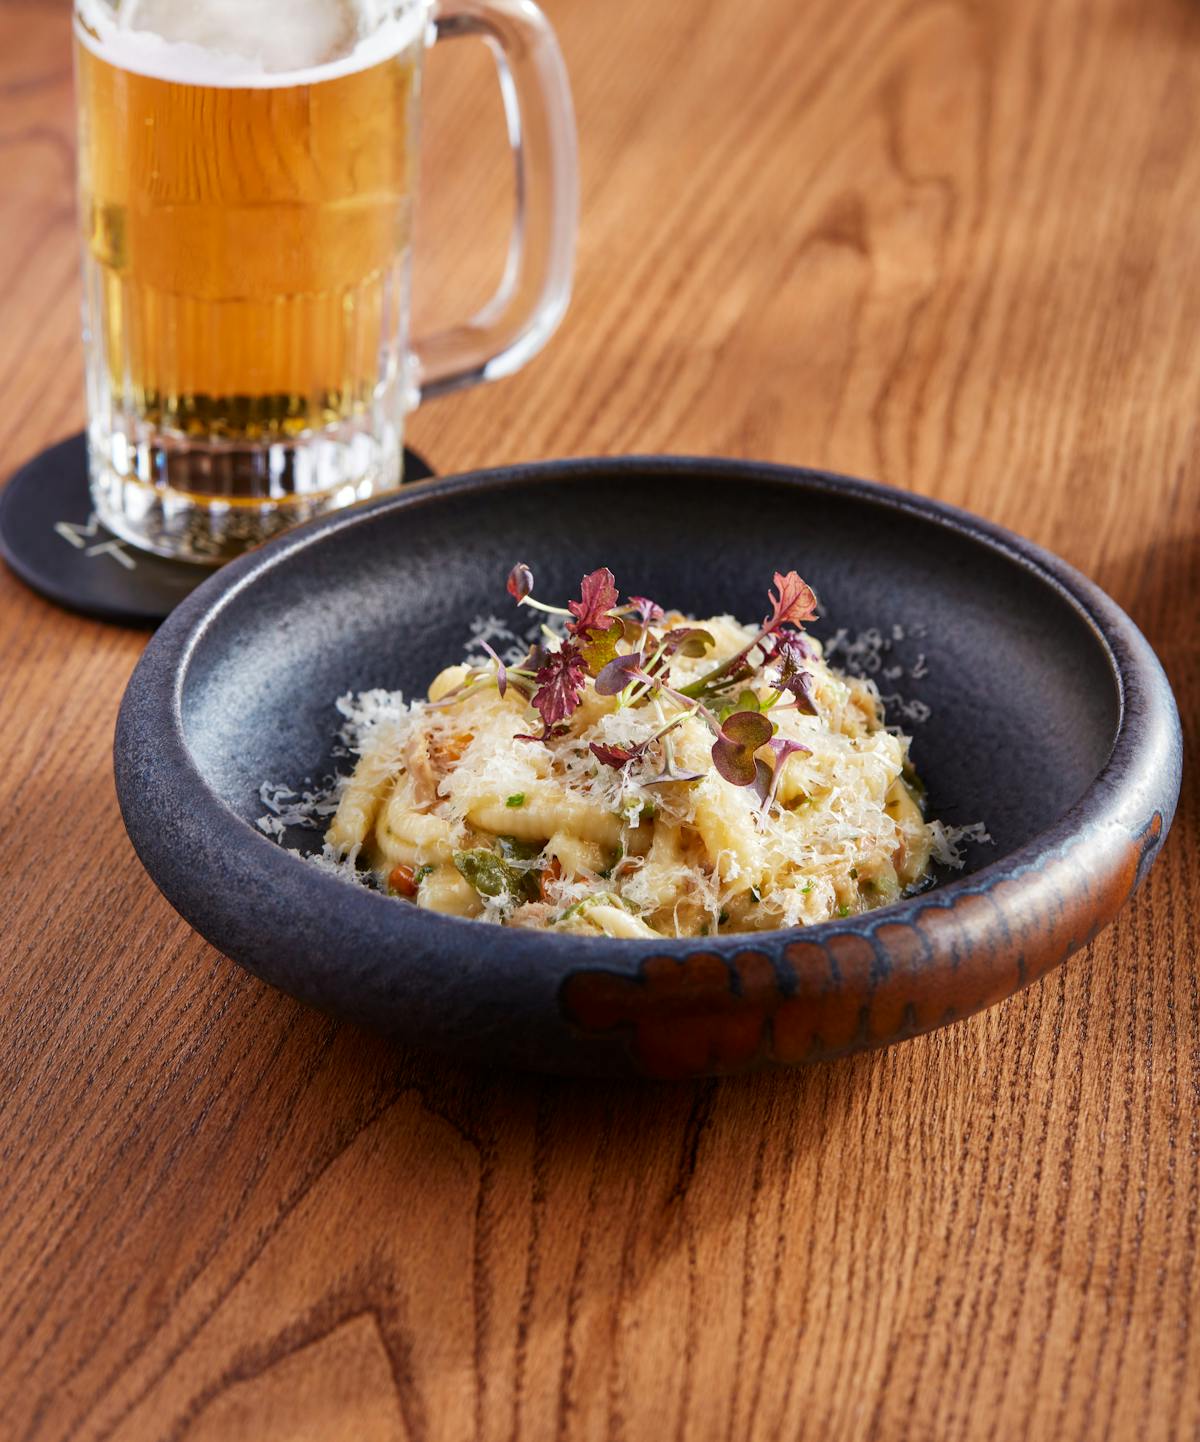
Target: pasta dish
x,y
639,774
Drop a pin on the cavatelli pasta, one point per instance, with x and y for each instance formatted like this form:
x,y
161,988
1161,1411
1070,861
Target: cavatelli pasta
x,y
609,824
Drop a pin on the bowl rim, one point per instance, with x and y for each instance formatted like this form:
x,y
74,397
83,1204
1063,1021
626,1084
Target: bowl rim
x,y
156,773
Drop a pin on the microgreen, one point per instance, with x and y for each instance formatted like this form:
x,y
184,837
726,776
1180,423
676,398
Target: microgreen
x,y
554,676
600,647
501,669
647,611
781,749
619,672
560,685
791,652
616,756
669,774
733,750
794,604
746,701
599,596
687,641
520,582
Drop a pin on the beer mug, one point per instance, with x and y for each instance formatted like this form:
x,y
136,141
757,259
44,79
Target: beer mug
x,y
246,182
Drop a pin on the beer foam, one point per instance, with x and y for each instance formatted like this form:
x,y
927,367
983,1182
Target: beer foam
x,y
246,44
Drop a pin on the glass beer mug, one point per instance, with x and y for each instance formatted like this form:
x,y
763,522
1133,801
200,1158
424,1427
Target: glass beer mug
x,y
246,180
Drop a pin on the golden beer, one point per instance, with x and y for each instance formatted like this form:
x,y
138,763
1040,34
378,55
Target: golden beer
x,y
246,178
246,268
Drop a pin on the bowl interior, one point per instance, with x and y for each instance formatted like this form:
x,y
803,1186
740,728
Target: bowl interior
x,y
1008,690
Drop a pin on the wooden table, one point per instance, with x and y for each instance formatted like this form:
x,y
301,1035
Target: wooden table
x,y
952,245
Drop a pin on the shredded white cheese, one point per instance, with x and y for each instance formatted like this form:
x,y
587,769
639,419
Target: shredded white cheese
x,y
452,806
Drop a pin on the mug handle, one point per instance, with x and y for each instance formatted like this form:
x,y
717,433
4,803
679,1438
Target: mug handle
x,y
536,286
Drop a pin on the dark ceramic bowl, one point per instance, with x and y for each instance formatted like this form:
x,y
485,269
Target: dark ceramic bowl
x,y
1036,705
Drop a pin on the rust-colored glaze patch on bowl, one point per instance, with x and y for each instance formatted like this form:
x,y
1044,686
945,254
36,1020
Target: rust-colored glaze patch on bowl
x,y
686,1017
1047,717
881,982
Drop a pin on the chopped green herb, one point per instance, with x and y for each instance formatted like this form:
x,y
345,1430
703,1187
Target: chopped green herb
x,y
516,800
723,918
806,888
421,873
843,911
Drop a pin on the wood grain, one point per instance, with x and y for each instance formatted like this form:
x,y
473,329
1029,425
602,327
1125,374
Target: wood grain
x,y
954,244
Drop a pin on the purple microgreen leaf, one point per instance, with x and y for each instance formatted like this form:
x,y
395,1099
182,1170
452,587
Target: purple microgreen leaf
x,y
748,728
616,756
792,602
618,673
548,733
792,652
560,685
734,763
520,582
781,749
646,610
764,781
523,678
803,695
687,641
671,775
601,647
599,596
501,669
733,751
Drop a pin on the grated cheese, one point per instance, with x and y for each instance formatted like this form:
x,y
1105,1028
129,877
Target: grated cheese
x,y
623,851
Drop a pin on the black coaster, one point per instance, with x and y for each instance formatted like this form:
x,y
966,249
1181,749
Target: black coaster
x,y
50,537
